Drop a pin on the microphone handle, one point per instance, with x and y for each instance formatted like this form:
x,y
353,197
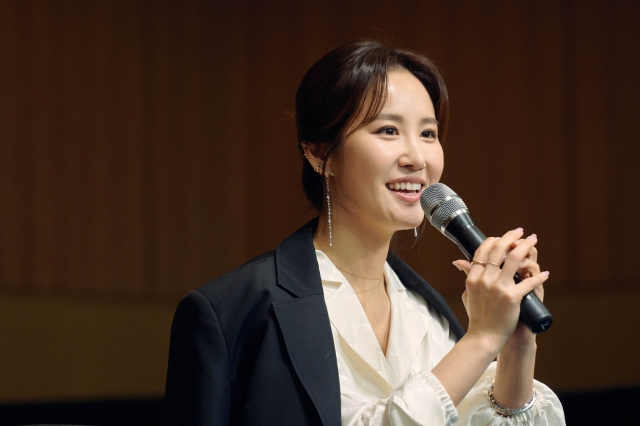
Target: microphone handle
x,y
533,313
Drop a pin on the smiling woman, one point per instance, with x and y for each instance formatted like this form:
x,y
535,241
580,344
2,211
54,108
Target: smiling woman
x,y
400,147
332,328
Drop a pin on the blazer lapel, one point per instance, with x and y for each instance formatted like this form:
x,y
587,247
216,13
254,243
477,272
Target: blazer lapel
x,y
304,323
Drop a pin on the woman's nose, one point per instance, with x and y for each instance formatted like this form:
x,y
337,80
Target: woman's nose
x,y
412,155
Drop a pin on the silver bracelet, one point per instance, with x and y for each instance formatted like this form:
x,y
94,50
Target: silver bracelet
x,y
506,411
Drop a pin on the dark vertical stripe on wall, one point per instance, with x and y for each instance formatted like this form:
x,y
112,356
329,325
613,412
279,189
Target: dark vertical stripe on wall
x,y
569,139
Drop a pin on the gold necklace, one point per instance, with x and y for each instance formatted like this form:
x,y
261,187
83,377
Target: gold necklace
x,y
357,276
380,280
369,289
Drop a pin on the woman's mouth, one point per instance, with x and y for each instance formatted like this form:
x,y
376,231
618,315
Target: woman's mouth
x,y
405,187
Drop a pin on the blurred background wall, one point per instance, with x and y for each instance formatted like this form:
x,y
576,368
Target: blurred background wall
x,y
147,147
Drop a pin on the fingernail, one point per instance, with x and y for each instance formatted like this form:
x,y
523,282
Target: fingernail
x,y
545,273
454,264
532,237
518,230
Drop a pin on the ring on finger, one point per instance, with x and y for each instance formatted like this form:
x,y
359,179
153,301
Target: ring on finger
x,y
477,262
494,264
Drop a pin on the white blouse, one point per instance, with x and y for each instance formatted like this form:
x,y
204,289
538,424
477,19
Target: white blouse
x,y
399,388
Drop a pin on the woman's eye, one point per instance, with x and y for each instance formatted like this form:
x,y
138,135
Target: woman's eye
x,y
429,134
387,131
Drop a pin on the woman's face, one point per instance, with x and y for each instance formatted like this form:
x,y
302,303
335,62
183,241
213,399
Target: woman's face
x,y
383,167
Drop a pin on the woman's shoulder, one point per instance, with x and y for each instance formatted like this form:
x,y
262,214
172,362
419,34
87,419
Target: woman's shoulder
x,y
265,278
258,274
248,293
239,300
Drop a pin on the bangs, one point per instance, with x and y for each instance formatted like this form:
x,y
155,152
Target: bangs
x,y
373,94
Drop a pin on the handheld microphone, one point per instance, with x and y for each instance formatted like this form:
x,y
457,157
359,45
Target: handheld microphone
x,y
449,214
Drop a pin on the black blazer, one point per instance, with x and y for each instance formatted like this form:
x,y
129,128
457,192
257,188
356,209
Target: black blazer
x,y
254,346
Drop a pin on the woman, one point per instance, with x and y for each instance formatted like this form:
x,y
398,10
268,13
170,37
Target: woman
x,y
331,328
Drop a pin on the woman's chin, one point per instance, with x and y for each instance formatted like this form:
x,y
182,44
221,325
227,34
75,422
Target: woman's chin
x,y
409,221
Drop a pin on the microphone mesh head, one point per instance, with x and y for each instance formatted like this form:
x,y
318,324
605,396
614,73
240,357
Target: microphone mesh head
x,y
446,210
445,202
434,195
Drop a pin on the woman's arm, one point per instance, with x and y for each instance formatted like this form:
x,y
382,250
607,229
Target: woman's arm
x,y
474,409
514,375
197,391
517,359
492,301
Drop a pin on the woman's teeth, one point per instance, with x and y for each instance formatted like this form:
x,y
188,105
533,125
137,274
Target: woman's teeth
x,y
404,186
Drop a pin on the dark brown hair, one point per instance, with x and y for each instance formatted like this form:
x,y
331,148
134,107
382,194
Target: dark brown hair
x,y
351,82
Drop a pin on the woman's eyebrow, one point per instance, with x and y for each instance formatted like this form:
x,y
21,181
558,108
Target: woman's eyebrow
x,y
392,117
400,119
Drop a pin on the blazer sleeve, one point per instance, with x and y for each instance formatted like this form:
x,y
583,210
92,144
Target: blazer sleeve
x,y
197,391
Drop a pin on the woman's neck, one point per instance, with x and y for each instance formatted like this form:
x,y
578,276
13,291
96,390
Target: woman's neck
x,y
357,250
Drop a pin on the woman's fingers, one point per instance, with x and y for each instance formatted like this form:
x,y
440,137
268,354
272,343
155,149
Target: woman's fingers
x,y
533,253
491,298
506,251
489,256
529,285
462,265
482,253
503,246
528,268
517,255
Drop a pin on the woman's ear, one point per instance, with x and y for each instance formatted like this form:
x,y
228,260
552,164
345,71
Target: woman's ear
x,y
314,153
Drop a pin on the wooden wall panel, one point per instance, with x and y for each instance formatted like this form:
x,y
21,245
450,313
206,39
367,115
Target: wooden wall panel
x,y
148,146
111,168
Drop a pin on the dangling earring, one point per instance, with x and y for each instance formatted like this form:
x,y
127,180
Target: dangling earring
x,y
415,232
329,212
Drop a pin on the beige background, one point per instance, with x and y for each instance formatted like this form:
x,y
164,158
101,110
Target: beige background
x,y
147,147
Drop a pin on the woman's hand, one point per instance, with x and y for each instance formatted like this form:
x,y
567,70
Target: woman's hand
x,y
529,267
492,299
